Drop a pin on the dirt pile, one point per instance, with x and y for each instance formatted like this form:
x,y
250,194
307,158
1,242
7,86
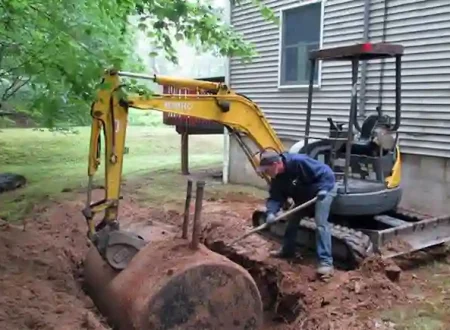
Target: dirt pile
x,y
41,265
40,269
291,292
39,274
343,303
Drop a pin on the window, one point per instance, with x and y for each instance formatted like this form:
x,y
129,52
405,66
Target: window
x,y
301,29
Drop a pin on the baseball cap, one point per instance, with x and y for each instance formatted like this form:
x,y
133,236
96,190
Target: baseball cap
x,y
267,159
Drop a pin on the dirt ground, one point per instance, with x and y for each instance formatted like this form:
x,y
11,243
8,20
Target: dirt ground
x,y
41,262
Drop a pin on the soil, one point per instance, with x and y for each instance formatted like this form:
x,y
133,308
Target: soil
x,y
397,246
39,273
41,263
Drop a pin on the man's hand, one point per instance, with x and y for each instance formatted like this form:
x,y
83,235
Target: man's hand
x,y
321,195
289,203
270,218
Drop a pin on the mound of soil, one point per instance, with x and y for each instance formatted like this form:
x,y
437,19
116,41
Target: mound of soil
x,y
40,271
291,289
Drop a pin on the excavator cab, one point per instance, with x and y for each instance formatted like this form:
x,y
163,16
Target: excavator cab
x,y
365,157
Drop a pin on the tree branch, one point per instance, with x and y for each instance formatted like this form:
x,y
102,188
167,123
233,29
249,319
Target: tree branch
x,y
3,47
14,88
5,93
6,113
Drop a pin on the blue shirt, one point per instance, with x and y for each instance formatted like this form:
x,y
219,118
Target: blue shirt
x,y
310,175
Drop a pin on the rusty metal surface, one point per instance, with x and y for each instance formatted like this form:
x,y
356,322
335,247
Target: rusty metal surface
x,y
97,278
170,286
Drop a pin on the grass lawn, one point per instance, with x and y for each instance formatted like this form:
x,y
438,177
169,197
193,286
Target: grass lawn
x,y
54,161
431,310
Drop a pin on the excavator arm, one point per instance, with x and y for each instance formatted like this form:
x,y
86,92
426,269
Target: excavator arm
x,y
109,114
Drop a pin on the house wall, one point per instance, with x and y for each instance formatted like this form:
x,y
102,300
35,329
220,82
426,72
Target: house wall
x,y
423,27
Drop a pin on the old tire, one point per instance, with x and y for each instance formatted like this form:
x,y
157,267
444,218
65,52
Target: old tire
x,y
11,181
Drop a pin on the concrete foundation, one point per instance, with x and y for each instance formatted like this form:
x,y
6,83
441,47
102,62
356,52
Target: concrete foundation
x,y
425,179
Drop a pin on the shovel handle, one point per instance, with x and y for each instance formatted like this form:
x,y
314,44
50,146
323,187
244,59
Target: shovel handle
x,y
295,209
280,217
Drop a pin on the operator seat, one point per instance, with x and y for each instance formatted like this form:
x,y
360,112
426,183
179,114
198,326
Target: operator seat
x,y
363,151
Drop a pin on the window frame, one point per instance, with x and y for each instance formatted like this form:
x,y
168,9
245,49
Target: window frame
x,y
281,44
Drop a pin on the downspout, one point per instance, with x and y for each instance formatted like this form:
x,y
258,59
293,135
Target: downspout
x,y
226,136
362,95
383,61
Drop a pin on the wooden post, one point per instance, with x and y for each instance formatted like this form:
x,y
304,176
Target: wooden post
x,y
186,209
185,153
200,185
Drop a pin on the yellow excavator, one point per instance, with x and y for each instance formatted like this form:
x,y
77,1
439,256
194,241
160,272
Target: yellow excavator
x,y
139,284
110,112
365,217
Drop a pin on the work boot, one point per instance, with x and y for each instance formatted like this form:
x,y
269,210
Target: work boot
x,y
325,271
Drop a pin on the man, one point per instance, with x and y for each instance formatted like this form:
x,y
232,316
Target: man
x,y
302,178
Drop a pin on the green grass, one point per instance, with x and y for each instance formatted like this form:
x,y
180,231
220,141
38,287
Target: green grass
x,y
54,161
145,118
432,314
431,310
169,189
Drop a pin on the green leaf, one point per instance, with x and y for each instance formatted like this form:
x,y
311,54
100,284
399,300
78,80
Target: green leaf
x,y
142,26
53,53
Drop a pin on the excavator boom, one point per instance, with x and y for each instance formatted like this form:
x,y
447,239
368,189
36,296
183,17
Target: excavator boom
x,y
239,114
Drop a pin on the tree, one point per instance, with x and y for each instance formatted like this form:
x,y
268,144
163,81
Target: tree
x,y
53,52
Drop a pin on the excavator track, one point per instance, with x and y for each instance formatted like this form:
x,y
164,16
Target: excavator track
x,y
350,246
398,232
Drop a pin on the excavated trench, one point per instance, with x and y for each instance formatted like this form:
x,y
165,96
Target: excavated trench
x,y
281,303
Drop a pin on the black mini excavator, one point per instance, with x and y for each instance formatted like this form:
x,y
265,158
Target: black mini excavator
x,y
365,215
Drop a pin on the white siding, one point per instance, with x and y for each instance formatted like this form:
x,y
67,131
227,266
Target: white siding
x,y
422,26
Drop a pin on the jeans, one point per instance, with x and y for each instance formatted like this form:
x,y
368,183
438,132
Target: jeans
x,y
323,231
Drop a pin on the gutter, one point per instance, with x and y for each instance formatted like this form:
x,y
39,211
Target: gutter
x,y
226,136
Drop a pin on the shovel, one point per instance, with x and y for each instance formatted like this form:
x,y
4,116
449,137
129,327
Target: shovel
x,y
280,217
